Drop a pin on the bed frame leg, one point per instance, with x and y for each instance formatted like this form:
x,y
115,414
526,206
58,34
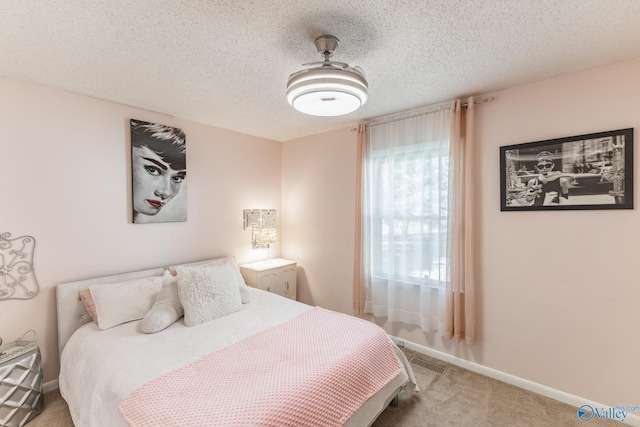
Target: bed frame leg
x,y
394,402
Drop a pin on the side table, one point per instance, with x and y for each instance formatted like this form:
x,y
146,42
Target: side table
x,y
21,397
274,275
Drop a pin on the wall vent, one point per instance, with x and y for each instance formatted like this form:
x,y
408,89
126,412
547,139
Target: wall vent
x,y
426,364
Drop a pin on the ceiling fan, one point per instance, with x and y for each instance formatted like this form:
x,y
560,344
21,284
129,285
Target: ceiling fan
x,y
327,88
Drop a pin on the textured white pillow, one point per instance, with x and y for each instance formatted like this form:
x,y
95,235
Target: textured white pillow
x,y
231,261
123,302
166,309
207,292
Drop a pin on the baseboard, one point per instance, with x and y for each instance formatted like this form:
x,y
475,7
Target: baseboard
x,y
52,385
543,390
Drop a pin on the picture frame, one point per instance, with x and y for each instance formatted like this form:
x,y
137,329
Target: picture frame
x,y
158,173
591,171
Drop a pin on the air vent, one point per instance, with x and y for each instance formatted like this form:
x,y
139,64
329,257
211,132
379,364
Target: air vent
x,y
426,364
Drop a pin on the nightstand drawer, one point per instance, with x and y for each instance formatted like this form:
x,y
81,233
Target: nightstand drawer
x,y
276,275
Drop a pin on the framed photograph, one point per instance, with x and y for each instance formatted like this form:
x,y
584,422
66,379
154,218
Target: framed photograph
x,y
159,171
593,171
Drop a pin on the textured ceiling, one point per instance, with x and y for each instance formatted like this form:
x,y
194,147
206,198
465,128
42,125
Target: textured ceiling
x,y
225,63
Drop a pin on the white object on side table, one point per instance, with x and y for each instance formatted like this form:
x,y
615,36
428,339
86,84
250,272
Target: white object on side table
x,y
274,275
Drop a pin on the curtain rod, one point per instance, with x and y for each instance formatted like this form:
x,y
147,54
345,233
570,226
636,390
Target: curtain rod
x,y
417,112
479,101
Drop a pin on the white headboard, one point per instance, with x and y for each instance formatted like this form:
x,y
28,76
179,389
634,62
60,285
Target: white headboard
x,y
70,309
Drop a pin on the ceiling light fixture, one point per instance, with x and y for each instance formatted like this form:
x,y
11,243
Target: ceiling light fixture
x,y
328,88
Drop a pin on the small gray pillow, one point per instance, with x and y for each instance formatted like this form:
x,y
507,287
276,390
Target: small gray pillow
x,y
245,296
166,309
207,292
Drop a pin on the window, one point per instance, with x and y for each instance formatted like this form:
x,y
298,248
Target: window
x,y
409,187
406,218
416,252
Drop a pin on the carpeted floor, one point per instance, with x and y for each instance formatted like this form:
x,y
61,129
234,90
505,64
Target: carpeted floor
x,y
458,397
455,397
55,414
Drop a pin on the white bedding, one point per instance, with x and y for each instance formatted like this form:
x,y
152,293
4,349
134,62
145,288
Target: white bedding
x,y
99,368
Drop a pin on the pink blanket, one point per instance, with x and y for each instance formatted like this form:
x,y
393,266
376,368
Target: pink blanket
x,y
314,370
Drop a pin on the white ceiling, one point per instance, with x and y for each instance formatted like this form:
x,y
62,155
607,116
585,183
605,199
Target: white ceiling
x,y
226,62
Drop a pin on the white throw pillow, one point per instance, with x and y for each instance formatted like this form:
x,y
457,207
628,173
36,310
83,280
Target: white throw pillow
x,y
207,292
166,309
231,261
122,302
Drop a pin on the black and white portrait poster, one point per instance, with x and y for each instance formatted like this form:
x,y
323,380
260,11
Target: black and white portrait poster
x,y
159,172
592,171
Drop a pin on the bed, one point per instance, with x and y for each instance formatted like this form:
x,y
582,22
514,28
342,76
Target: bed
x,y
103,371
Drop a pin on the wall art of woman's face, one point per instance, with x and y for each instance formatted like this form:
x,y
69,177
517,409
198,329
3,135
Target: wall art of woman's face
x,y
155,182
158,163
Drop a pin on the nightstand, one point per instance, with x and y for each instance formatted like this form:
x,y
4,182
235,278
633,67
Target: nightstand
x,y
274,275
21,396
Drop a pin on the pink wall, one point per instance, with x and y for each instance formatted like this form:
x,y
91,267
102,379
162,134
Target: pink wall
x,y
66,181
318,212
559,296
559,291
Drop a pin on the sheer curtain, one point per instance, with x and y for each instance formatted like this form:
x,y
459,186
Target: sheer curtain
x,y
415,220
405,207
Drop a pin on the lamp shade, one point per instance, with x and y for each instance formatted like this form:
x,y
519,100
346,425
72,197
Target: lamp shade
x,y
265,236
327,91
